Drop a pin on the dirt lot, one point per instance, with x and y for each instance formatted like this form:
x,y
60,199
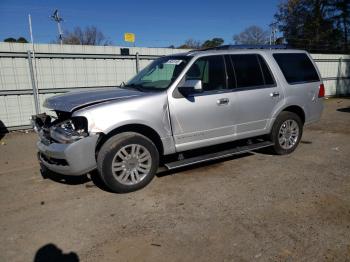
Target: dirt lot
x,y
256,207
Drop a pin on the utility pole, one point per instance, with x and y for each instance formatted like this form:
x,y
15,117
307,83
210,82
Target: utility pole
x,y
273,32
32,68
58,19
31,30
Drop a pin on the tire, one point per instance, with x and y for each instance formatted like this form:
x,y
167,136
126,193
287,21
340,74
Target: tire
x,y
127,162
286,133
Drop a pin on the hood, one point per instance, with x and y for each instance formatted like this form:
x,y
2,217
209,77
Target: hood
x,y
71,101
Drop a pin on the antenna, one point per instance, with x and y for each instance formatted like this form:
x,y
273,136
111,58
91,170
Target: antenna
x,y
55,16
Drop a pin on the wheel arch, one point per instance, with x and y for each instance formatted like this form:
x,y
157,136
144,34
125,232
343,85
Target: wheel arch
x,y
297,110
290,108
141,129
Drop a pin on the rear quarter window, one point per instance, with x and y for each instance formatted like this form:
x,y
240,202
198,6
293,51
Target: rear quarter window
x,y
296,67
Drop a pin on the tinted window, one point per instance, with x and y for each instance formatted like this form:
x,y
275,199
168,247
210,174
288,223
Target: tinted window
x,y
268,79
248,71
296,68
211,70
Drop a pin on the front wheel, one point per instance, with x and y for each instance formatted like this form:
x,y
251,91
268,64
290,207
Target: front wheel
x,y
127,162
286,133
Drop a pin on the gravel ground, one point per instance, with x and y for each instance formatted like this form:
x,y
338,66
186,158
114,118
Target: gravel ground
x,y
255,207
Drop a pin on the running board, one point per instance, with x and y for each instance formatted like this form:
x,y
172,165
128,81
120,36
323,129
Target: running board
x,y
222,154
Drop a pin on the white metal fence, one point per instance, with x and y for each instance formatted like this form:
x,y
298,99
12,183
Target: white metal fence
x,y
57,69
335,72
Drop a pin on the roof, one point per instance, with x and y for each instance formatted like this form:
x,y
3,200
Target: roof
x,y
197,53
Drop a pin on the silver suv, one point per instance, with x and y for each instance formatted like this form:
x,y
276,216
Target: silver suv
x,y
244,98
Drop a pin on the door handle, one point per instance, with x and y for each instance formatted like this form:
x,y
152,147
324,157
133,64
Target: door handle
x,y
222,101
274,94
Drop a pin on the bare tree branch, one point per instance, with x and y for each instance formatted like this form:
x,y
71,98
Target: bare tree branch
x,y
252,35
88,36
191,44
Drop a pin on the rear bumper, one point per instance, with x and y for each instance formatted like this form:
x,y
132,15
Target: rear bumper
x,y
69,159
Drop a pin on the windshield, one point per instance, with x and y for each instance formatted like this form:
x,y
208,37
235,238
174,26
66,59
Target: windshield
x,y
160,74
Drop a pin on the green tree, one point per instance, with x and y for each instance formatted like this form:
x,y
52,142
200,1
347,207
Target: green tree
x,y
10,40
195,44
22,40
213,42
13,40
306,24
339,11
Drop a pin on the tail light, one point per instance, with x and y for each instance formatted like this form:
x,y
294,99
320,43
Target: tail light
x,y
321,91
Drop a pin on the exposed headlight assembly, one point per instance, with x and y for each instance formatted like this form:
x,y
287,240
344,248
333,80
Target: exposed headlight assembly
x,y
69,130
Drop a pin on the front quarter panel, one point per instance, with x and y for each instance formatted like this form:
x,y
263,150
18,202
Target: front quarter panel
x,y
150,110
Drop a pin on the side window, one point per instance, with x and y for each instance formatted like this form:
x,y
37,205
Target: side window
x,y
248,71
211,70
296,67
268,79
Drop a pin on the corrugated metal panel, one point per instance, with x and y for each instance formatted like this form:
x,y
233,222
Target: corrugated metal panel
x,y
14,74
16,110
55,72
335,71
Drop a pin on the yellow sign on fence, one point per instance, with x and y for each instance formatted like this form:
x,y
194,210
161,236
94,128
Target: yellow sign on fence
x,y
129,37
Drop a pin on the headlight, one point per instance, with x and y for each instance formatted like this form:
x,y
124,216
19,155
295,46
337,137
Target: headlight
x,y
69,130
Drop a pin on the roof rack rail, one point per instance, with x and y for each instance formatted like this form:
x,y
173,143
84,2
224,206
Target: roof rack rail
x,y
228,47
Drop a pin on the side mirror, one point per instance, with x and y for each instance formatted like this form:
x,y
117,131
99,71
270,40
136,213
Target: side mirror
x,y
190,87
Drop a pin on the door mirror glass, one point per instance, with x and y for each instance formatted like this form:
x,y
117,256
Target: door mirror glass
x,y
191,87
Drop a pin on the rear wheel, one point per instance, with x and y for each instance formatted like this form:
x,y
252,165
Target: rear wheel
x,y
286,133
127,162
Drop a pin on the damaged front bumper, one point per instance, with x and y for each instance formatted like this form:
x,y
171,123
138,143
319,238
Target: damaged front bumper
x,y
76,158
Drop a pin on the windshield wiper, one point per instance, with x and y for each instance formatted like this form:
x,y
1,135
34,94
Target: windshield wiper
x,y
134,86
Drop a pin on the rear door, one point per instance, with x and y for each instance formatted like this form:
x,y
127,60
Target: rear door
x,y
257,94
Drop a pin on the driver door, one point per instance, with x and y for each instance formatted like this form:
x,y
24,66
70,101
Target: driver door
x,y
205,118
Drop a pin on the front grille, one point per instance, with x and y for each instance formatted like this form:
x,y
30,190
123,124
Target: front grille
x,y
45,137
